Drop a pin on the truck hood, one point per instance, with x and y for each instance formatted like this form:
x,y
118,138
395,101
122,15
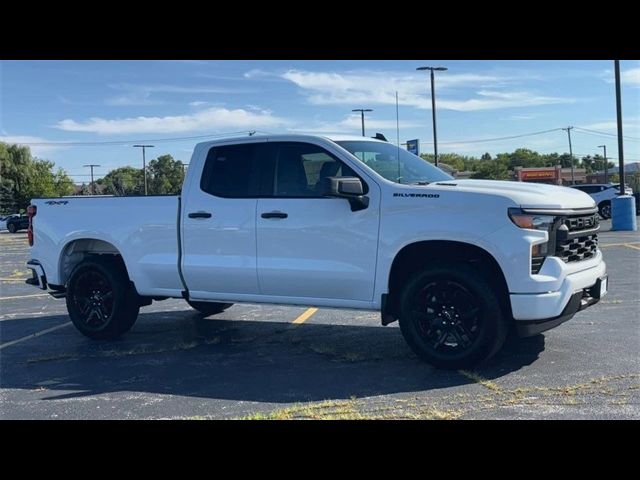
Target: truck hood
x,y
526,195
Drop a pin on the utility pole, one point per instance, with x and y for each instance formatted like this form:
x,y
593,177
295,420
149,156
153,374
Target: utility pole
x,y
93,185
619,118
144,164
433,108
606,164
573,179
362,110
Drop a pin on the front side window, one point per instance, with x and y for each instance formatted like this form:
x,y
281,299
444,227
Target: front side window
x,y
393,163
300,169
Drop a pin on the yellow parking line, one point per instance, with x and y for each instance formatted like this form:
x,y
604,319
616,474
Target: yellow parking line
x,y
34,335
26,296
630,245
305,316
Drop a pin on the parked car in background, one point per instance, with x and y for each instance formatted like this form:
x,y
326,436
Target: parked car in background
x,y
17,222
602,193
4,218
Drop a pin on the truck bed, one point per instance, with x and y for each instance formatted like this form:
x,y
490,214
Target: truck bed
x,y
144,230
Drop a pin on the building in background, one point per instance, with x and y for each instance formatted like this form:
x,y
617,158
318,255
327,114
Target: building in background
x,y
550,175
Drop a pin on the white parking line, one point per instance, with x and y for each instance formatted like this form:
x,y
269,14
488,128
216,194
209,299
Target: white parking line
x,y
34,335
26,296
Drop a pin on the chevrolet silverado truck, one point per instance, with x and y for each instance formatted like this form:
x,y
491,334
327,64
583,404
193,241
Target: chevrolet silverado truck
x,y
348,222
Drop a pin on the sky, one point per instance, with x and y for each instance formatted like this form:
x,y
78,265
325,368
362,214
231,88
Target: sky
x,y
46,103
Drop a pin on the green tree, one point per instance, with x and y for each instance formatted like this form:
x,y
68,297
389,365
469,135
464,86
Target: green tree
x,y
633,180
492,170
165,176
23,177
123,181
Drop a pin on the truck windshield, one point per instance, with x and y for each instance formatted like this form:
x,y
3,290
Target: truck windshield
x,y
383,158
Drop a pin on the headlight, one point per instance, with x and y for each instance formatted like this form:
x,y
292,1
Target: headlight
x,y
532,222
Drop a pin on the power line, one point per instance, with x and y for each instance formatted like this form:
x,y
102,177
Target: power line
x,y
482,140
587,131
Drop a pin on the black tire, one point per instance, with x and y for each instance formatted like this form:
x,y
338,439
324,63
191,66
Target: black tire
x,y
12,228
209,308
451,317
101,300
605,209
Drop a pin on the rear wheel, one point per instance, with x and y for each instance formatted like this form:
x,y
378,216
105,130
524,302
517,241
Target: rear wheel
x,y
12,228
101,300
209,308
605,209
451,317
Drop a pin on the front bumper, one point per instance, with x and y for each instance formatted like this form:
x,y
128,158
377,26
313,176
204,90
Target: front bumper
x,y
561,287
577,302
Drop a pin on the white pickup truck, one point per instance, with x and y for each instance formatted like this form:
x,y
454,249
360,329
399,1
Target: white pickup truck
x,y
346,222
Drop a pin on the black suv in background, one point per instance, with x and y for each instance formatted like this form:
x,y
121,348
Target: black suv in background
x,y
17,223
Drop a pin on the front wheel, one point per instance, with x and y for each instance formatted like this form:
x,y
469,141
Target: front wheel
x,y
101,300
209,308
605,210
451,317
12,228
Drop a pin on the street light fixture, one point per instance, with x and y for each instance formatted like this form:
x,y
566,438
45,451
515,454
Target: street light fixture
x,y
433,108
606,164
144,163
362,110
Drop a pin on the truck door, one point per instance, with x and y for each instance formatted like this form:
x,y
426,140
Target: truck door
x,y
309,245
219,235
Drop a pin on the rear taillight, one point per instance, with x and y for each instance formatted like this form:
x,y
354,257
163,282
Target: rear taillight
x,y
31,212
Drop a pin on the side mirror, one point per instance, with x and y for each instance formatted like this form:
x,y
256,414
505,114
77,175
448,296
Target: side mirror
x,y
346,187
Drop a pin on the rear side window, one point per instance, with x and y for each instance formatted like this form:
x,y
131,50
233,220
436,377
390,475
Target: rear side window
x,y
229,171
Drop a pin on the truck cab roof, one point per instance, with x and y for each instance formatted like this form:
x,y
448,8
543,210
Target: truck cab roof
x,y
288,137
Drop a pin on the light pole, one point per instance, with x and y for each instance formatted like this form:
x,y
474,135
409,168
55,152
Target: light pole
x,y
619,121
568,129
93,185
362,110
606,164
144,163
433,108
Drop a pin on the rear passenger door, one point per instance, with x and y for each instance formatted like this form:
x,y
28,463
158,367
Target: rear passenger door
x,y
219,235
310,246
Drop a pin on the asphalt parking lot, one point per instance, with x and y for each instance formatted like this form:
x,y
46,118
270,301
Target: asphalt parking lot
x,y
256,361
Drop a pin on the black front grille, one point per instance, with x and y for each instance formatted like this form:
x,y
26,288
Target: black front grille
x,y
576,238
576,249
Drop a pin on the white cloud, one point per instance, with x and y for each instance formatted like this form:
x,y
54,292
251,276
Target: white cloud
x,y
209,119
522,117
631,77
628,77
327,88
36,150
166,88
132,100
